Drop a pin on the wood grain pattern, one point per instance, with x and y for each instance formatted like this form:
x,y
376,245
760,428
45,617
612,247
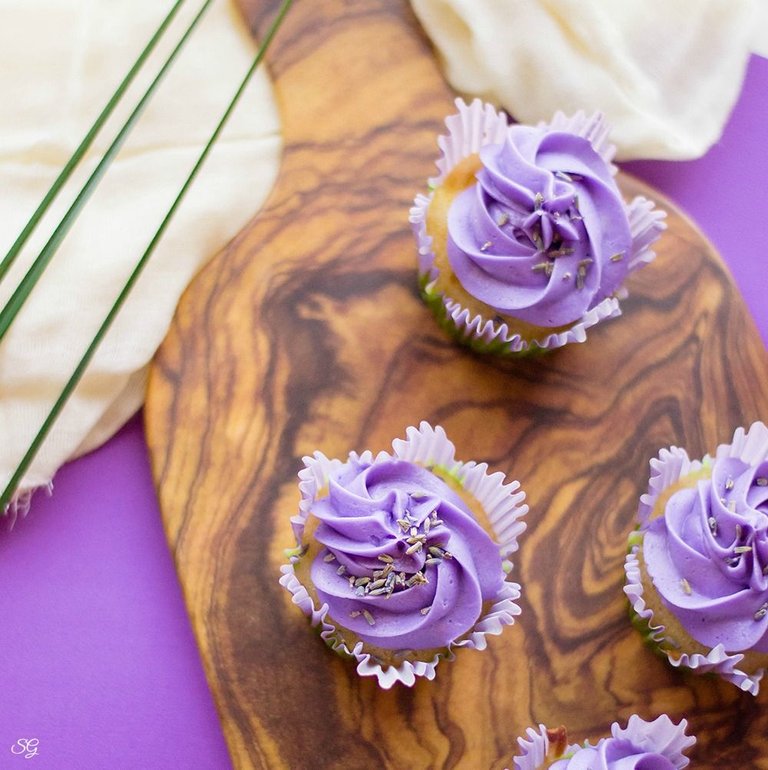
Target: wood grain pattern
x,y
307,332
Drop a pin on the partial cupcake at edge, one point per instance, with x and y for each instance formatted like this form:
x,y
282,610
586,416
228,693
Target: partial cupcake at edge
x,y
403,557
657,745
524,239
697,567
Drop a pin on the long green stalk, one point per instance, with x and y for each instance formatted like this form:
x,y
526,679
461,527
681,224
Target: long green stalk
x,y
28,282
83,147
71,384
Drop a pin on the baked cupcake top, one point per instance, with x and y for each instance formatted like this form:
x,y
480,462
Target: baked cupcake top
x,y
703,541
641,745
402,557
526,227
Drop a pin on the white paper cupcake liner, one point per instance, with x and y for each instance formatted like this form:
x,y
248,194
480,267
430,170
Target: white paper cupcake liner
x,y
489,333
751,446
661,736
474,126
668,469
503,503
534,748
471,128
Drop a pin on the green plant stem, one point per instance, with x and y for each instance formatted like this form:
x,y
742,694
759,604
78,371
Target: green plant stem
x,y
36,269
71,384
83,147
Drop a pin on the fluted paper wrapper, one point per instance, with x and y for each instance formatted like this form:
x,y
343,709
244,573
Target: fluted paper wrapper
x,y
671,466
473,127
661,736
503,504
534,748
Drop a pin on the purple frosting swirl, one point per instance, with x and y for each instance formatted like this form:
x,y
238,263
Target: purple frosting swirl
x,y
641,745
614,754
544,234
708,556
405,565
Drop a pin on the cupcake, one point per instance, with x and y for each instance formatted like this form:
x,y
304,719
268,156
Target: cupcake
x,y
403,557
657,745
697,568
525,240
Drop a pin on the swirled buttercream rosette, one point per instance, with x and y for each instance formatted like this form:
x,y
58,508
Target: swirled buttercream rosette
x,y
403,557
657,745
697,568
525,241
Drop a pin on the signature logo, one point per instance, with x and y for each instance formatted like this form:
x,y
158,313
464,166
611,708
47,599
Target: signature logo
x,y
26,747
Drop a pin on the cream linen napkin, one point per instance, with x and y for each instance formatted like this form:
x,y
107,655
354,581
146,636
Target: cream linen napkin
x,y
665,72
60,61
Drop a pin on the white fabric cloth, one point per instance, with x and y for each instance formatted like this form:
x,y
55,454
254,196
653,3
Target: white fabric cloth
x,y
59,62
665,72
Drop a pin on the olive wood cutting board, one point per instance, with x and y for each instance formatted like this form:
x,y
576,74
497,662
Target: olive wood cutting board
x,y
307,333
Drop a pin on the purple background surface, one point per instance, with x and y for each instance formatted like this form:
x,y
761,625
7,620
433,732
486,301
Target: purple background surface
x,y
98,660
